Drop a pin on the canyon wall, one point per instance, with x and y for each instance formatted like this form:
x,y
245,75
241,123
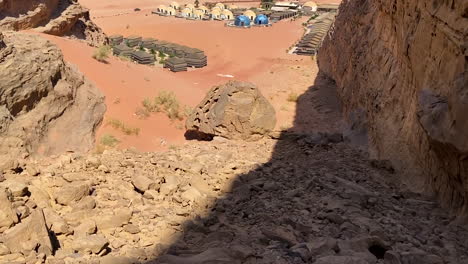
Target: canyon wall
x,y
56,17
401,66
46,106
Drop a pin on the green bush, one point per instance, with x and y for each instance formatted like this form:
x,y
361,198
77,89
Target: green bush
x,y
109,140
102,53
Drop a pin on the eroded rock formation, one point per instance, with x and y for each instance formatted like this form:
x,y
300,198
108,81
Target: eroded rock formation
x,y
235,110
404,64
46,106
56,17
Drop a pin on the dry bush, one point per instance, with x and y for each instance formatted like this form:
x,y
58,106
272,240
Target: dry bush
x,y
293,97
142,113
109,140
102,53
165,102
119,125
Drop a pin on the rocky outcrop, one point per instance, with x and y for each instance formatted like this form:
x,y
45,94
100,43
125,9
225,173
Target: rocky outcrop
x,y
404,64
235,110
46,106
56,17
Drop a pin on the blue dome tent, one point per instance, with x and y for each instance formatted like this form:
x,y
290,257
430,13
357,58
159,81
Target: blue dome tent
x,y
242,21
261,20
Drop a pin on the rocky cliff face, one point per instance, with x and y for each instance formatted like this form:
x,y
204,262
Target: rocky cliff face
x,y
56,17
403,63
46,106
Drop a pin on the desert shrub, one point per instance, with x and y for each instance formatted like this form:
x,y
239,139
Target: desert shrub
x,y
102,53
120,125
109,140
292,97
142,113
165,102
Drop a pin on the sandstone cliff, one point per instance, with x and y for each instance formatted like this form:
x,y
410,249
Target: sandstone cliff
x,y
56,17
46,106
404,64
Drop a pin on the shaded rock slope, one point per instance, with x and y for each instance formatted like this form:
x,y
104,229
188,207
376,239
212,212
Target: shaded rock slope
x,y
56,17
401,71
315,201
46,106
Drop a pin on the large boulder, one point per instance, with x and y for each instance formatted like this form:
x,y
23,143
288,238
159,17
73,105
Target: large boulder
x,y
235,110
30,235
46,106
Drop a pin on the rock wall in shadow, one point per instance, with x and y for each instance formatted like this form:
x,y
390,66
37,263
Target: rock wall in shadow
x,y
401,71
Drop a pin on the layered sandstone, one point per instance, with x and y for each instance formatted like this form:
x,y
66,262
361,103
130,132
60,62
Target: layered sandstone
x,y
401,66
46,106
56,17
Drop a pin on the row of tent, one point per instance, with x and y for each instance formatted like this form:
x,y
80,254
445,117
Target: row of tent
x,y
311,42
127,47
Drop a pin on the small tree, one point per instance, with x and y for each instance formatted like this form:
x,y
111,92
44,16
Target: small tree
x,y
197,3
101,54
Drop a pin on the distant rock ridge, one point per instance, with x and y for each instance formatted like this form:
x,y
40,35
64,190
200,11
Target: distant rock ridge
x,y
55,17
404,64
46,106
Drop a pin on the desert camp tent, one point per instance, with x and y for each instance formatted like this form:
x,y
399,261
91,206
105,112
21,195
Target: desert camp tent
x,y
198,13
162,9
250,14
175,5
220,5
142,57
176,64
191,6
204,9
261,20
170,11
147,43
115,40
187,12
242,21
310,6
215,14
133,41
122,50
226,14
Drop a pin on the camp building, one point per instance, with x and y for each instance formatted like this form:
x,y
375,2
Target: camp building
x,y
175,64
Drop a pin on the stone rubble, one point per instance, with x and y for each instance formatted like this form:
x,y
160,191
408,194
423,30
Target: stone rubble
x,y
298,199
